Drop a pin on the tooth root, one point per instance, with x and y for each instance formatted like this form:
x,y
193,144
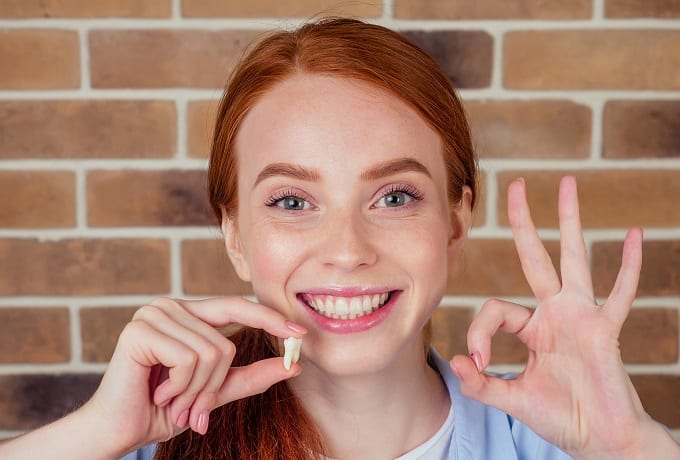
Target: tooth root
x,y
291,353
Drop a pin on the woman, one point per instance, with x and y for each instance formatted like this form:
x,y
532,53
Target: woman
x,y
343,176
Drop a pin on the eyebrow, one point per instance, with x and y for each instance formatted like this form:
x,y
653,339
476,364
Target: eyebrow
x,y
379,171
289,170
392,167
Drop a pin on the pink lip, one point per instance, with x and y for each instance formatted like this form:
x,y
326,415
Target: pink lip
x,y
349,326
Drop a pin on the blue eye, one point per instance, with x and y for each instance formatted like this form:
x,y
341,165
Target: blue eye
x,y
289,201
398,196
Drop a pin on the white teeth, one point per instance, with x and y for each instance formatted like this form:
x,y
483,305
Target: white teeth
x,y
291,354
346,307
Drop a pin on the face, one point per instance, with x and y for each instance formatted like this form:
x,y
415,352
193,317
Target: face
x,y
344,224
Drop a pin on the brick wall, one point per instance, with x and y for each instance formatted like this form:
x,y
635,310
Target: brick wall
x,y
105,110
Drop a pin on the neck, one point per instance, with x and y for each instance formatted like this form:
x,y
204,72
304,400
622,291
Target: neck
x,y
378,415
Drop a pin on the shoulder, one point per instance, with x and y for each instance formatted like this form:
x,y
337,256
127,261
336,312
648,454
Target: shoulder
x,y
484,432
145,453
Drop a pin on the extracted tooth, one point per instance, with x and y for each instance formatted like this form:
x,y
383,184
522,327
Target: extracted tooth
x,y
291,354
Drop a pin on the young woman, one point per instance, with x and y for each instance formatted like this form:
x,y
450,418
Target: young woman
x,y
343,176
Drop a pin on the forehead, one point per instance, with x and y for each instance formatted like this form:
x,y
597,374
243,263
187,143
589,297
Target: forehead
x,y
330,122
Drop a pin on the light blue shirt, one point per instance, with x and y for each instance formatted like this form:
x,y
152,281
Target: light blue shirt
x,y
480,432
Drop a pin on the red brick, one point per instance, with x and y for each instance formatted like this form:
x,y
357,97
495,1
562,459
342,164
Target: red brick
x,y
592,59
200,126
642,9
479,213
660,261
607,197
490,267
15,9
34,335
84,267
100,328
492,9
87,129
39,59
659,395
40,199
466,56
650,336
28,401
206,270
530,129
164,58
276,8
449,330
641,129
147,198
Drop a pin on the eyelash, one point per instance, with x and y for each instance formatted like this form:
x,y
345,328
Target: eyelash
x,y
403,188
280,195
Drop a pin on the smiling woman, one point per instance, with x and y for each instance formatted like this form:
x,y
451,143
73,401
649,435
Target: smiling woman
x,y
343,176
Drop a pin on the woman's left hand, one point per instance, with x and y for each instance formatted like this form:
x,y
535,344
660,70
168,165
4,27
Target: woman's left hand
x,y
575,391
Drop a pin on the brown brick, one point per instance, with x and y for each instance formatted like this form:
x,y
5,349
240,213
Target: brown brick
x,y
492,9
100,328
277,9
34,335
206,270
40,199
164,58
31,400
660,261
84,267
15,9
490,267
530,129
87,129
592,59
660,395
147,198
641,129
642,9
650,336
479,213
466,56
449,330
200,125
39,59
608,198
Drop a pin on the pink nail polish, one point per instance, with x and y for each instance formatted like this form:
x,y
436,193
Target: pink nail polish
x,y
183,419
478,361
295,327
202,424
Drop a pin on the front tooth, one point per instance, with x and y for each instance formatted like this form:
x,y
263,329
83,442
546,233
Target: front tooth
x,y
341,307
367,304
330,306
355,307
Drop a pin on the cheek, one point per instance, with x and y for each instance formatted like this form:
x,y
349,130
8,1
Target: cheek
x,y
272,257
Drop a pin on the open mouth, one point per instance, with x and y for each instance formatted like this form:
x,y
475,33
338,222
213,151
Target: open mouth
x,y
346,307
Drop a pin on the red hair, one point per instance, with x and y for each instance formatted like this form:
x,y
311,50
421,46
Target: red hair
x,y
274,425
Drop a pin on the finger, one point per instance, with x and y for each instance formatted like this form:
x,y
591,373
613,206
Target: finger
x,y
492,391
223,311
536,264
625,287
254,379
495,315
573,255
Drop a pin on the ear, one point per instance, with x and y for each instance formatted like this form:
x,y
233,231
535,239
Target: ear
x,y
461,220
233,245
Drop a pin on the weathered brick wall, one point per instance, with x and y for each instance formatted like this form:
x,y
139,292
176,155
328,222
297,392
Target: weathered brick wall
x,y
105,110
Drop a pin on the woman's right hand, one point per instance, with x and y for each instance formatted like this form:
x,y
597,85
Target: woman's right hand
x,y
171,368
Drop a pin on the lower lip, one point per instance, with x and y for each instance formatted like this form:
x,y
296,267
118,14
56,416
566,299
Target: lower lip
x,y
349,326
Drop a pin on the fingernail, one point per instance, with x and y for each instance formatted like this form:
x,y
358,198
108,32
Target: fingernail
x,y
183,419
202,424
478,360
295,327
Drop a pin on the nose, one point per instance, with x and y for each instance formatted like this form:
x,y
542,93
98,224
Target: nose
x,y
346,243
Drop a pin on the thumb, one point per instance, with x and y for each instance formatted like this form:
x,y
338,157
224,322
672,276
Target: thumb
x,y
487,389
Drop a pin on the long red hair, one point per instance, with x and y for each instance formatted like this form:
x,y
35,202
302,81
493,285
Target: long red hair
x,y
274,425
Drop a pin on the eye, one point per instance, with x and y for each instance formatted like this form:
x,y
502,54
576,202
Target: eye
x,y
289,201
398,196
